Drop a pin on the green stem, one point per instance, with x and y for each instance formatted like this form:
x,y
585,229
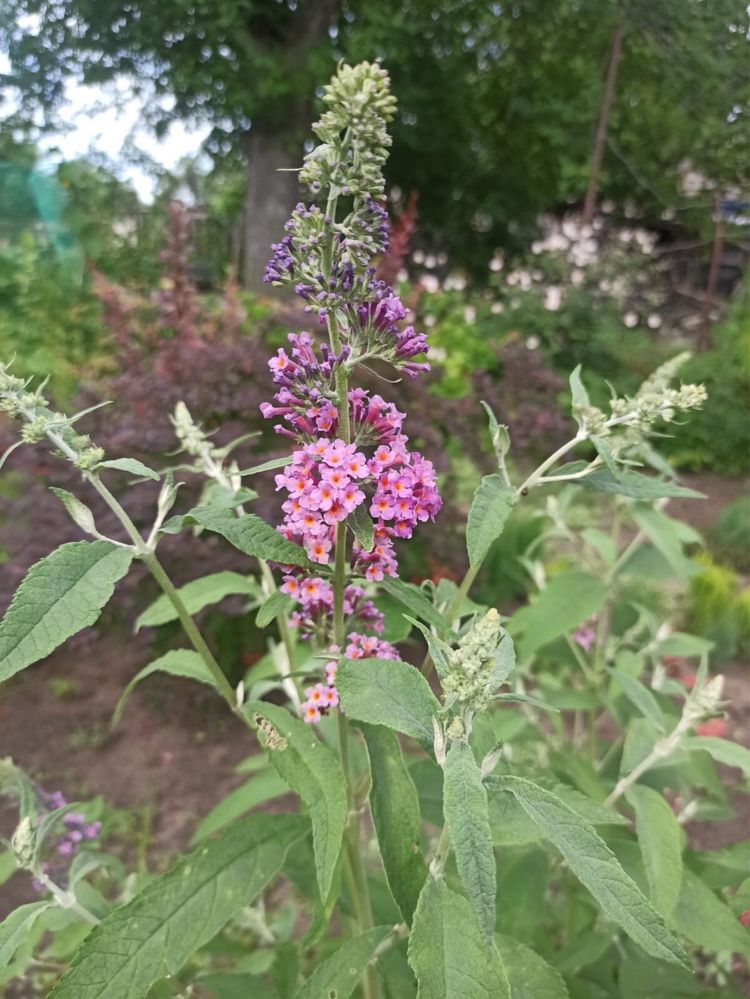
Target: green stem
x,y
353,863
190,628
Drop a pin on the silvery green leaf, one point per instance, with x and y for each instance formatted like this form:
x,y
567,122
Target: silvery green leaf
x,y
15,928
132,466
62,594
313,770
414,599
635,485
439,650
605,452
277,603
639,695
731,754
196,595
395,812
498,434
388,692
338,976
250,535
662,532
79,512
707,921
362,527
154,934
596,867
489,511
529,975
578,392
505,660
267,466
447,952
178,662
660,840
467,821
564,603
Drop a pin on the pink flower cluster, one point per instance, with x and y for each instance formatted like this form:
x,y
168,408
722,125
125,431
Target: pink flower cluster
x,y
323,486
315,596
323,696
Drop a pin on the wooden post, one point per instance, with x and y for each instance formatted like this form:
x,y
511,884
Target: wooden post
x,y
600,139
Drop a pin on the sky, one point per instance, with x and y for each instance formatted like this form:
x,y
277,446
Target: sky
x,y
93,126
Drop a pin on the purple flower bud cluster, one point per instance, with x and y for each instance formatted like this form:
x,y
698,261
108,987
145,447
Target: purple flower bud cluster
x,y
76,832
315,596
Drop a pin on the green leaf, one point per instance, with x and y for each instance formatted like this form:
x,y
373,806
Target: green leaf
x,y
732,754
16,927
680,643
529,974
154,934
196,595
414,599
521,889
177,662
661,532
565,602
132,466
262,788
277,603
605,452
314,772
250,535
79,512
439,650
447,952
596,867
339,975
395,813
660,841
578,391
489,511
498,434
707,921
467,821
362,527
635,485
267,466
62,594
639,695
388,692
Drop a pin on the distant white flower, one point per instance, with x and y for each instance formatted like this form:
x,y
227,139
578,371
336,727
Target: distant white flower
x,y
497,308
403,275
429,321
470,313
430,261
418,257
532,343
607,206
496,264
576,277
455,282
630,319
537,246
430,283
552,299
437,353
654,321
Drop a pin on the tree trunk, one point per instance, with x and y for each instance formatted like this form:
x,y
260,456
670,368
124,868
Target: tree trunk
x,y
271,192
712,299
600,139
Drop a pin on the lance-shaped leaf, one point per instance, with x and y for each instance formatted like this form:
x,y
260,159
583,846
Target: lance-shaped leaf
x,y
277,603
311,769
339,974
132,466
489,511
732,754
362,527
595,866
467,821
414,599
447,952
395,811
79,512
579,395
62,594
196,595
706,920
250,535
565,602
660,840
153,935
177,662
15,928
388,692
639,695
529,974
635,485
